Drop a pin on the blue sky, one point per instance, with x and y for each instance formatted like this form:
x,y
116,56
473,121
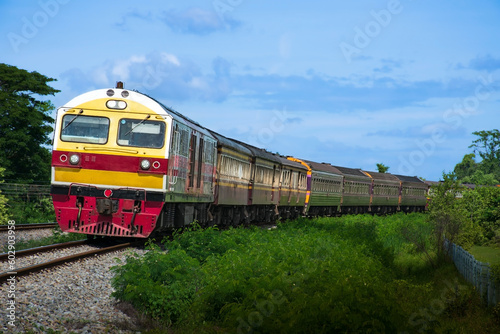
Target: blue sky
x,y
404,83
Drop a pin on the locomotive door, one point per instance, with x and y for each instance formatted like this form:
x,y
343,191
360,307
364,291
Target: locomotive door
x,y
200,164
197,154
192,161
178,160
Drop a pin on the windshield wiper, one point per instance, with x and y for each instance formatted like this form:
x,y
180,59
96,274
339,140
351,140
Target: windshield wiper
x,y
76,116
144,120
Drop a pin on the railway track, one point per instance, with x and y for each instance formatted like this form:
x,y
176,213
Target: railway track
x,y
26,252
19,227
18,272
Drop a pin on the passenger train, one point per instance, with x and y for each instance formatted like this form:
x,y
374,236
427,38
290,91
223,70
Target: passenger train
x,y
125,165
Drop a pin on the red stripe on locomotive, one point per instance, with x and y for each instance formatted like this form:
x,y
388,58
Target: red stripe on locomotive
x,y
116,163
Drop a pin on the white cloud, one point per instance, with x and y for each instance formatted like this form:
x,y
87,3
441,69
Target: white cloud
x,y
121,68
170,58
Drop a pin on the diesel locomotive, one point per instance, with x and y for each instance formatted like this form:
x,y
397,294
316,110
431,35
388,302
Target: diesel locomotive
x,y
125,165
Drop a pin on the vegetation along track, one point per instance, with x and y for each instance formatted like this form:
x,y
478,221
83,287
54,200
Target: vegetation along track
x,y
17,272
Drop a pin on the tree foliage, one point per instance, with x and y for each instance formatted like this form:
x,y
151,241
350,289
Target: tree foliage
x,y
482,207
487,171
487,145
465,216
445,211
382,168
466,167
4,215
25,124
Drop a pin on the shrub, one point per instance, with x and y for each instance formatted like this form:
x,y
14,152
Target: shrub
x,y
202,243
297,281
4,215
324,275
159,284
297,277
35,211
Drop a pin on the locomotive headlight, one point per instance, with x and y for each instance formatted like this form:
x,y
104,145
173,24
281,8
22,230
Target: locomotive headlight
x,y
74,159
145,164
116,104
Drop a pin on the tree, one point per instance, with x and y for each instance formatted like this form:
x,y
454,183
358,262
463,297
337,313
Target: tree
x,y
445,212
382,168
488,147
467,167
25,124
480,178
487,171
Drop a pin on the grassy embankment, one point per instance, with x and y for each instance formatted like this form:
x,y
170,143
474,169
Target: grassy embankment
x,y
349,274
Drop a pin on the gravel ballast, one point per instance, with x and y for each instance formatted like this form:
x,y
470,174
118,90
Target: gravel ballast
x,y
25,235
71,298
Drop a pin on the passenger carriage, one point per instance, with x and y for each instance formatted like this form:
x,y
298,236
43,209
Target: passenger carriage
x,y
413,193
384,192
355,190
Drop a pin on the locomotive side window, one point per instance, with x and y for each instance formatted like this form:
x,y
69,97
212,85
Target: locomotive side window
x,y
141,133
210,153
85,129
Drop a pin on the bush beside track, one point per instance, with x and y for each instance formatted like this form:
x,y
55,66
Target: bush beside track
x,y
349,274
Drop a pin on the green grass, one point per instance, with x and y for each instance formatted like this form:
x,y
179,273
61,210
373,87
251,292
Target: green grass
x,y
325,275
486,254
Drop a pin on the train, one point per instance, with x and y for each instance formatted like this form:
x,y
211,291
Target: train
x,y
125,165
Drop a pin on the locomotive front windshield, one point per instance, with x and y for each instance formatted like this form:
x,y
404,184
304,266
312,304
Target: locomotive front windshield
x,y
85,129
141,133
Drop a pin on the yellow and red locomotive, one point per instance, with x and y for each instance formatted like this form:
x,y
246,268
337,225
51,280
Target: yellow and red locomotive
x,y
116,155
123,164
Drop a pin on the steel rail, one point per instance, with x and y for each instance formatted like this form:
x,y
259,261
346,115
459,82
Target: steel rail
x,y
14,274
18,227
30,251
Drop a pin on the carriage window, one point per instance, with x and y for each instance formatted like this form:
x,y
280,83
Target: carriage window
x,y
85,129
141,133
